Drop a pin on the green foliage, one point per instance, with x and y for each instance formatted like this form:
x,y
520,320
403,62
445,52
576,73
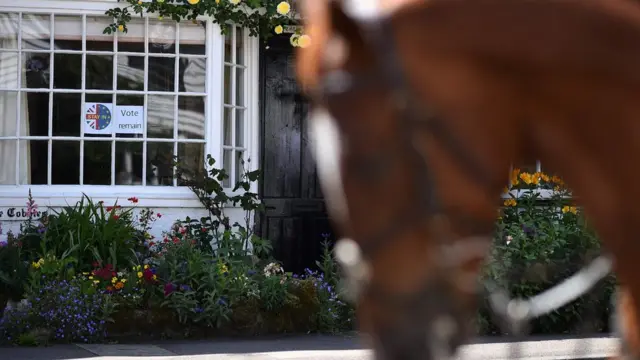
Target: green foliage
x,y
260,17
541,242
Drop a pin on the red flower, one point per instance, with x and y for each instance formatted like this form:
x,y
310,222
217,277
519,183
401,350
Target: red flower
x,y
159,215
166,240
183,230
133,199
168,289
116,217
176,240
109,208
203,229
151,243
193,242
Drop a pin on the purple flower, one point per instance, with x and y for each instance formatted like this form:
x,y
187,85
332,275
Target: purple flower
x,y
3,243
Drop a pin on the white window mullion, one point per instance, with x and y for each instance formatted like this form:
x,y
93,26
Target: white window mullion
x,y
145,87
83,78
252,114
232,79
18,102
176,88
215,92
114,99
50,110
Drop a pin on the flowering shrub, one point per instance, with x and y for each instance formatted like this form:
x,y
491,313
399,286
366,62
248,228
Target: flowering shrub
x,y
58,310
540,242
261,17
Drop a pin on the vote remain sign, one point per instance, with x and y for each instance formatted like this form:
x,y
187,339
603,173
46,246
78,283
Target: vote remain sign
x,y
129,119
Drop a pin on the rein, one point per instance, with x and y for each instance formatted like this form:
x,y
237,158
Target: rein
x,y
353,256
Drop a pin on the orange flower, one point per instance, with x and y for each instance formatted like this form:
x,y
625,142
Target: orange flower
x,y
514,176
119,285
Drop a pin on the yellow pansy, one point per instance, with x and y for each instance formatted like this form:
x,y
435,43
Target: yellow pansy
x,y
283,8
304,41
139,274
146,266
510,202
154,277
278,29
114,280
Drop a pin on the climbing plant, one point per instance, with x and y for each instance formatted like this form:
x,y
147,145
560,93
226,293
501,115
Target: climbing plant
x,y
260,17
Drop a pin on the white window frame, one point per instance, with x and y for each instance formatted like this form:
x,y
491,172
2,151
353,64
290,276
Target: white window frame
x,y
153,196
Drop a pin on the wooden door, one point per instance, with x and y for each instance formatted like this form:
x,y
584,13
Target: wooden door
x,y
296,220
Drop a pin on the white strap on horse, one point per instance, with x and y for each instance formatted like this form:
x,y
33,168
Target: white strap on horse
x,y
556,297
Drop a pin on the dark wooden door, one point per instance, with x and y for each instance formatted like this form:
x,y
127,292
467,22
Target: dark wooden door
x,y
296,220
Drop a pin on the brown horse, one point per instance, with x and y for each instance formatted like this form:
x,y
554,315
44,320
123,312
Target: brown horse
x,y
418,113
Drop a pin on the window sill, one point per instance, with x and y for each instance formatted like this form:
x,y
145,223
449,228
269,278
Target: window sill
x,y
543,193
63,195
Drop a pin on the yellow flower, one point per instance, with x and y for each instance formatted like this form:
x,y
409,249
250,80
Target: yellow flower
x,y
123,281
121,27
114,280
544,177
90,277
294,39
137,267
85,273
527,178
278,29
510,202
155,277
139,274
96,281
283,8
139,2
571,209
514,176
304,41
234,2
35,265
160,17
146,266
557,180
193,2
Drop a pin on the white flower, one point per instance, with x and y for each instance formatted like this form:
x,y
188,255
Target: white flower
x,y
509,239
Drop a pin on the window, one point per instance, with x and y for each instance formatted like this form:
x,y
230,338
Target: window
x,y
91,110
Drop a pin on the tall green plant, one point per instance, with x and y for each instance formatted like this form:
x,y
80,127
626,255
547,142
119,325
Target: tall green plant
x,y
90,232
233,242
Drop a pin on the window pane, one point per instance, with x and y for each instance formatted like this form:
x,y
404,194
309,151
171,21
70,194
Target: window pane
x,y
227,126
193,74
36,31
65,25
228,49
97,162
227,165
192,37
34,120
191,158
162,36
133,40
8,160
239,127
128,163
96,40
160,109
66,115
9,30
8,113
239,46
239,166
162,73
33,162
67,71
65,164
239,86
99,72
227,85
36,69
160,163
9,70
130,72
191,117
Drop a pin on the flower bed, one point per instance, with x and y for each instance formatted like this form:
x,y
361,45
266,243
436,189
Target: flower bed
x,y
93,272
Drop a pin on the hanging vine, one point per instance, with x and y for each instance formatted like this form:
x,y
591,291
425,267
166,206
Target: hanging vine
x,y
260,17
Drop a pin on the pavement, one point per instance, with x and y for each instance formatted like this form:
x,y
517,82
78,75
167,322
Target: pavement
x,y
312,347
